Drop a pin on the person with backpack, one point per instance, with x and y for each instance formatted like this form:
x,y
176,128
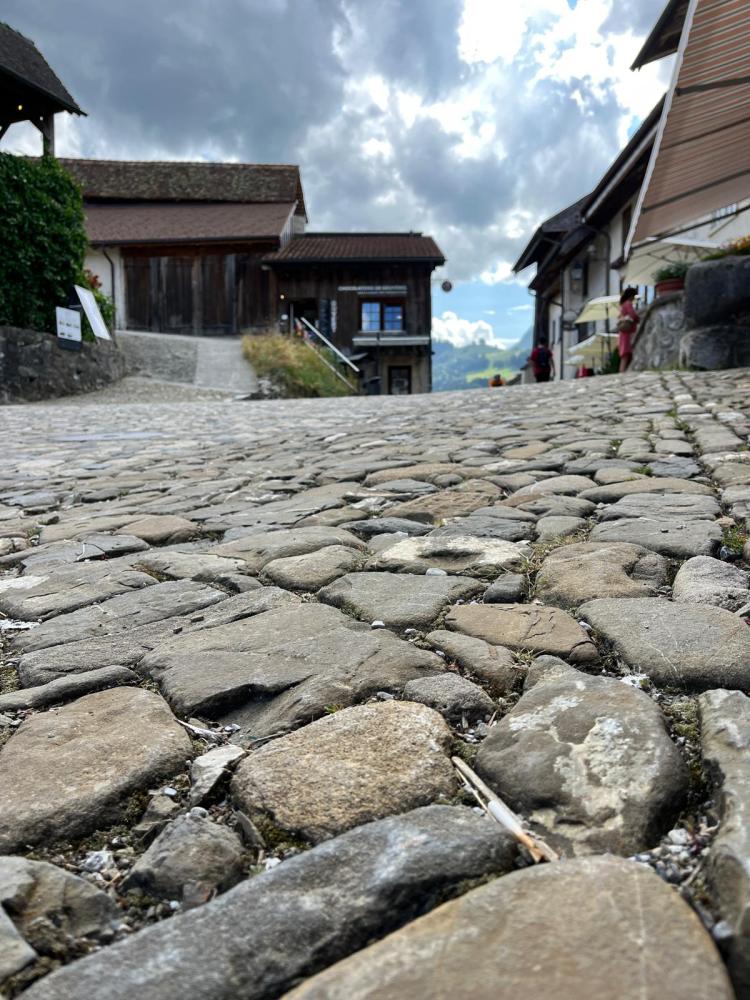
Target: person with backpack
x,y
542,362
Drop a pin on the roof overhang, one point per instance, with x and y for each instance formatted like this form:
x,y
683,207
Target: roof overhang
x,y
665,35
700,162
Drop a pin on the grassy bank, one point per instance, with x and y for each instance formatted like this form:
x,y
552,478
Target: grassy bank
x,y
292,366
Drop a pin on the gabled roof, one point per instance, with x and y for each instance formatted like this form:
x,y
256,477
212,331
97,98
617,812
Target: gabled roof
x,y
664,39
700,161
174,180
23,63
549,233
359,247
140,223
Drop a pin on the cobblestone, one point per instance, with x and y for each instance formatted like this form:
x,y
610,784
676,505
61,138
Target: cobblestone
x,y
182,549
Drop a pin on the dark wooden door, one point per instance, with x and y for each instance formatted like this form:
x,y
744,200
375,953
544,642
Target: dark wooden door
x,y
177,294
218,293
138,293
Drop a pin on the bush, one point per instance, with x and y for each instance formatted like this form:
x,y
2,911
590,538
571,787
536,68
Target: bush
x,y
294,367
671,271
43,241
737,248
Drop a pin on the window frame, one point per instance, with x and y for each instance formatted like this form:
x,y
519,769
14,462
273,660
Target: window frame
x,y
382,306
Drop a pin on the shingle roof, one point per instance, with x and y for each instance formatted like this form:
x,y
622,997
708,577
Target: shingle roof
x,y
181,222
22,60
352,247
154,180
563,222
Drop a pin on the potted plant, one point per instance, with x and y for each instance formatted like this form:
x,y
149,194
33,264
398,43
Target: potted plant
x,y
671,278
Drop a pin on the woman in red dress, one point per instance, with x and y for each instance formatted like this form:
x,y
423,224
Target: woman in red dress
x,y
627,324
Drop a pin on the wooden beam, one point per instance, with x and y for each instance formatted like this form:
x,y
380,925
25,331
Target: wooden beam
x,y
47,127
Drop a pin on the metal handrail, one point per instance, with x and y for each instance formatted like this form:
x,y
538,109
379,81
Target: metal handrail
x,y
329,345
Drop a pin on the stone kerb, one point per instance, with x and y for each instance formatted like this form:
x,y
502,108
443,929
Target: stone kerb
x,y
33,366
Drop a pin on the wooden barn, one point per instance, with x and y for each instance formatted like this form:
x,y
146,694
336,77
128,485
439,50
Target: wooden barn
x,y
220,248
178,245
370,293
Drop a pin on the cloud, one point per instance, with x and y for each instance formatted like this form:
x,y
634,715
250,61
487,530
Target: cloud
x,y
460,332
525,307
469,119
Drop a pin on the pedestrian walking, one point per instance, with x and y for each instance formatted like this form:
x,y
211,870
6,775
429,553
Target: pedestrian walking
x,y
627,325
542,362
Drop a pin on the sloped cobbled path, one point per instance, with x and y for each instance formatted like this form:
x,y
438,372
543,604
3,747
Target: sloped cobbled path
x,y
242,641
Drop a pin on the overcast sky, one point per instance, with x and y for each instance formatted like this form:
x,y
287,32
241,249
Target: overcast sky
x,y
471,120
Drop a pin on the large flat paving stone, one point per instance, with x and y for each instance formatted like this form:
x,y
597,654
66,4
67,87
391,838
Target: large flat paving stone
x,y
445,504
68,589
164,529
399,601
556,486
582,930
573,574
454,554
202,566
683,506
703,580
66,688
44,558
530,627
258,549
677,645
119,615
489,522
126,648
265,934
667,536
651,484
69,770
280,669
725,739
493,666
314,570
588,761
387,526
352,767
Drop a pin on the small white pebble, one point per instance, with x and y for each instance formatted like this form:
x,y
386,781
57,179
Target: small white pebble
x,y
433,571
377,624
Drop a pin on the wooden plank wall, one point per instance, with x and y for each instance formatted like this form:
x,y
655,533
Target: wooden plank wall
x,y
201,290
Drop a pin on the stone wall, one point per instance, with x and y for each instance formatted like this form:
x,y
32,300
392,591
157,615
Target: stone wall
x,y
662,328
34,367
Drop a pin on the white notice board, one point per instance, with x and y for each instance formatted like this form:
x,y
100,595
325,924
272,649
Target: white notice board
x,y
87,300
68,324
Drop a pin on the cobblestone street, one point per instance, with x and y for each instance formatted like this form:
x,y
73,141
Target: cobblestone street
x,y
243,640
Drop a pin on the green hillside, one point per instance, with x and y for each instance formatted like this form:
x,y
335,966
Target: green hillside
x,y
471,367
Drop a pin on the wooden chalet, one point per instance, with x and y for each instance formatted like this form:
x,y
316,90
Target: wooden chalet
x,y
178,246
29,89
370,293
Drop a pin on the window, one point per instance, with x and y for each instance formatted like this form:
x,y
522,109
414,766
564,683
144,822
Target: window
x,y
388,316
393,317
370,316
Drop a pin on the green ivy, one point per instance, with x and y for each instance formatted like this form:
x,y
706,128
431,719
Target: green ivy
x,y
43,240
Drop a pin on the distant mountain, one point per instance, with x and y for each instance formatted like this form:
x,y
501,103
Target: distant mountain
x,y
471,366
526,342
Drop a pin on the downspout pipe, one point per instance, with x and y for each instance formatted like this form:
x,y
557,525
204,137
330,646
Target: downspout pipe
x,y
112,280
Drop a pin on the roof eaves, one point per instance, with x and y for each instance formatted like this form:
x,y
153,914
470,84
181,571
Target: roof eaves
x,y
174,240
656,47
